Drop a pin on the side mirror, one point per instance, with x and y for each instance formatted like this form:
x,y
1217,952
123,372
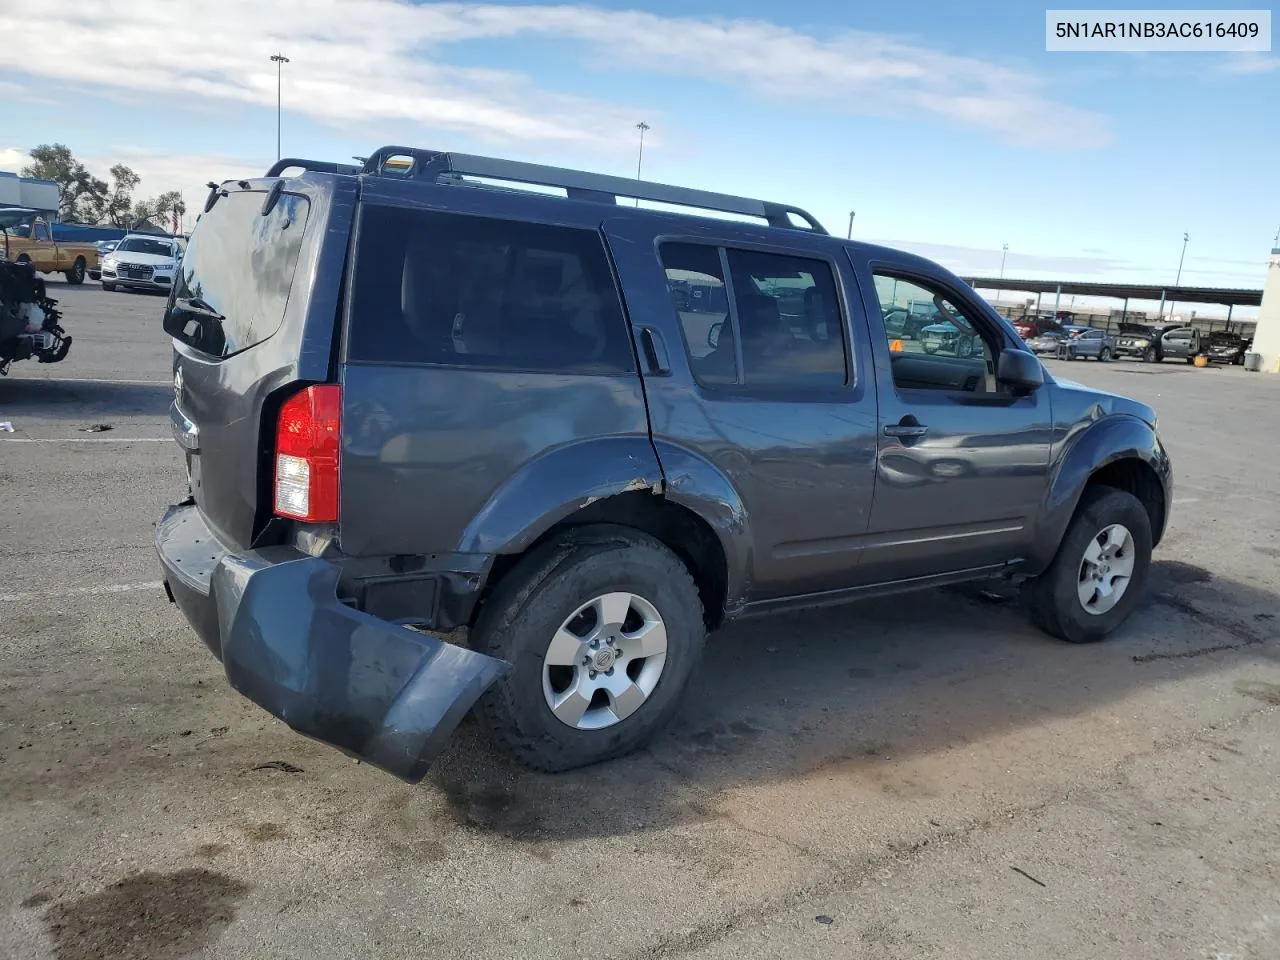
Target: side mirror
x,y
1016,368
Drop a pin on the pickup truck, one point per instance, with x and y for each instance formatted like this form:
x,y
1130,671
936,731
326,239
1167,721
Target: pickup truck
x,y
30,239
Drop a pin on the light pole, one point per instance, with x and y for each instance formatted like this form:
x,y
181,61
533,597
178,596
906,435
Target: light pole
x,y
642,127
279,59
1178,279
851,224
1004,252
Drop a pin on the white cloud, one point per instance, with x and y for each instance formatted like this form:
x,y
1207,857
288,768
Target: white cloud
x,y
12,159
361,60
1250,63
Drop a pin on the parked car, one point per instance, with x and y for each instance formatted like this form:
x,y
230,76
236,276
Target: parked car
x,y
28,238
1029,328
1087,342
1226,348
104,247
141,262
409,405
948,337
1154,344
1047,342
903,324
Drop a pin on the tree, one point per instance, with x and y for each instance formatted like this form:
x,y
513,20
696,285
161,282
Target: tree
x,y
81,194
83,198
119,206
163,210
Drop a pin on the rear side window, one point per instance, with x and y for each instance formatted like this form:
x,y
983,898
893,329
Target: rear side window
x,y
784,331
440,288
237,272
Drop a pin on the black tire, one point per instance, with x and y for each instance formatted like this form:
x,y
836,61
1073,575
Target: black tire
x,y
1150,356
1052,597
1191,360
529,605
1105,355
23,258
109,287
75,276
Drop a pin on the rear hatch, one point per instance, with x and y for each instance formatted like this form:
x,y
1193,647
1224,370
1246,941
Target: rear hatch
x,y
253,318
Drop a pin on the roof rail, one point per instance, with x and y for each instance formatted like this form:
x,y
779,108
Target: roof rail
x,y
319,166
417,164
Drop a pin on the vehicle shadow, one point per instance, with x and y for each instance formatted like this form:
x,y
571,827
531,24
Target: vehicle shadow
x,y
54,399
793,696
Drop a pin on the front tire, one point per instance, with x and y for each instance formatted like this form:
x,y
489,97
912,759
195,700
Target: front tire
x,y
1150,355
109,287
75,275
1100,571
603,628
1105,355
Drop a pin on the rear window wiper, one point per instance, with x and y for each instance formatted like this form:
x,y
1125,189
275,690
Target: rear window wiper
x,y
198,307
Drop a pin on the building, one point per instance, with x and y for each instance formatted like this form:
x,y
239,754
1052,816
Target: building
x,y
39,195
1266,337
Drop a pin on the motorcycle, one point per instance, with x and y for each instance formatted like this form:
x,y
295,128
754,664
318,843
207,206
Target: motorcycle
x,y
28,318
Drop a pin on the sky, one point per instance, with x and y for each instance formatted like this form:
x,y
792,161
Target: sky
x,y
946,128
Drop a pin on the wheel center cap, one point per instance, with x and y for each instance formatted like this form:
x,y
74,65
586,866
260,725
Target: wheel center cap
x,y
604,658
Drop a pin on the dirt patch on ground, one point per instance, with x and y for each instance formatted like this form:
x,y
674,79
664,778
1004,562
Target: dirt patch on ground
x,y
148,916
1260,690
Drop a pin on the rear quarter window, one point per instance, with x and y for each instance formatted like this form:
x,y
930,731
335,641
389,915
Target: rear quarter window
x,y
240,265
444,289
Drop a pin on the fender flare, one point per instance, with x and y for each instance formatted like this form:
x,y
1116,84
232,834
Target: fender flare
x,y
1097,445
568,478
554,485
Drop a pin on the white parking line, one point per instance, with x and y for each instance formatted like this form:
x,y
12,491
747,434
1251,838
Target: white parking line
x,y
87,440
81,591
1186,499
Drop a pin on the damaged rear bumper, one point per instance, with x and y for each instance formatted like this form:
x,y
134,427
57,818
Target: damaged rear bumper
x,y
376,690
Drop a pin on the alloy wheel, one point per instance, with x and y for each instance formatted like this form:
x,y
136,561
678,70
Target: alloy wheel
x,y
604,661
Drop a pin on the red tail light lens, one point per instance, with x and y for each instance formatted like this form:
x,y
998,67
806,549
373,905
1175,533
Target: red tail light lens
x,y
306,464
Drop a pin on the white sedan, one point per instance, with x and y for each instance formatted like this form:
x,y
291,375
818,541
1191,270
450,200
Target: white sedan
x,y
142,263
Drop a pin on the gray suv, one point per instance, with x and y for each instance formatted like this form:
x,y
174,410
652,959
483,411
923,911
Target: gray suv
x,y
418,396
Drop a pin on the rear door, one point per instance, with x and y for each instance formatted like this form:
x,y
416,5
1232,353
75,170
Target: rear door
x,y
252,314
760,369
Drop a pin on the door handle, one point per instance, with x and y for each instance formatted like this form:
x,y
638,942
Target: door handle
x,y
655,351
906,431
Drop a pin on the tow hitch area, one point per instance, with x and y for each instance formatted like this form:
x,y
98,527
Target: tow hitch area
x,y
374,689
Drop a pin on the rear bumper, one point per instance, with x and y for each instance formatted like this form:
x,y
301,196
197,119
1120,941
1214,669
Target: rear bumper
x,y
376,690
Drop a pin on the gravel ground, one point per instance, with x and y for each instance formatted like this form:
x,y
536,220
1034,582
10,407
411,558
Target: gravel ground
x,y
923,776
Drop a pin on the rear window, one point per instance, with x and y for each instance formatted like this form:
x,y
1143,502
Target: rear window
x,y
437,288
237,271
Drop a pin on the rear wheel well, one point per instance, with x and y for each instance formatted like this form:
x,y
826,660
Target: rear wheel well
x,y
1136,477
678,528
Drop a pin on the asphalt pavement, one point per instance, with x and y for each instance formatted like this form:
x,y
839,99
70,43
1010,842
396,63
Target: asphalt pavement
x,y
922,776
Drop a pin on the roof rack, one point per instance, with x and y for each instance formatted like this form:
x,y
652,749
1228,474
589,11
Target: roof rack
x,y
319,166
416,164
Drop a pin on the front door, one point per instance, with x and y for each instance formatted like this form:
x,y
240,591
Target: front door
x,y
963,462
764,386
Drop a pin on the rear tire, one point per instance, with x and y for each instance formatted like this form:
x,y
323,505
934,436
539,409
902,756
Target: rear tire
x,y
1055,598
75,276
539,600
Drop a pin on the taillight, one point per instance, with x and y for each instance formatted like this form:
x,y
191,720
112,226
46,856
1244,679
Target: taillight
x,y
306,466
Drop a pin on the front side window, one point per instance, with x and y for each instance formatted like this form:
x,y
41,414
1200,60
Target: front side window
x,y
42,232
785,329
478,292
944,349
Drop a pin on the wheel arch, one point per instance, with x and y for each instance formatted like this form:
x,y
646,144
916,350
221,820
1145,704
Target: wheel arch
x,y
1119,451
687,504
